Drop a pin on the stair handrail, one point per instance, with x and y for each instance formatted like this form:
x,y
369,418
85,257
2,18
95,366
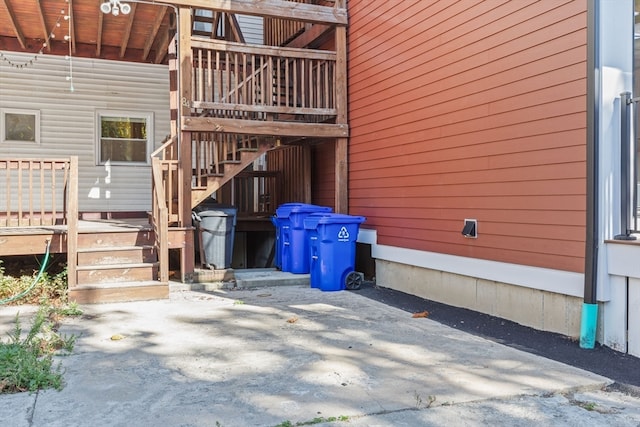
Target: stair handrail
x,y
160,219
166,143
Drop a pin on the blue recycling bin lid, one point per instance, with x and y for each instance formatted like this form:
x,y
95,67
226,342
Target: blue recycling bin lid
x,y
311,222
285,210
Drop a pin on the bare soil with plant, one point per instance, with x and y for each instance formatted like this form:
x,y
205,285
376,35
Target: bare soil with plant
x,y
17,274
27,357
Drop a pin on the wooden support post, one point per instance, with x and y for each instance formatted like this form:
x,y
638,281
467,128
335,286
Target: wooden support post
x,y
342,176
341,145
72,223
306,171
174,94
187,258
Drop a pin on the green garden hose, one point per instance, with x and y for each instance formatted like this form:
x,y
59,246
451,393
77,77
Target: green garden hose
x,y
45,261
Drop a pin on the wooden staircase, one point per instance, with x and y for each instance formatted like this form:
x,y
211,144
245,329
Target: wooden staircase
x,y
117,264
209,178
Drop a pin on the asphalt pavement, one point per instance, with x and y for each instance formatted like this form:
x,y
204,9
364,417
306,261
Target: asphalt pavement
x,y
291,355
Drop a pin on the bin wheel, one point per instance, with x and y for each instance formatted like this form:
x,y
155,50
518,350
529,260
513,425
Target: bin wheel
x,y
353,281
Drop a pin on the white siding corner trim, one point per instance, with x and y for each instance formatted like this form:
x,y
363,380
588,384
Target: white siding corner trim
x,y
544,279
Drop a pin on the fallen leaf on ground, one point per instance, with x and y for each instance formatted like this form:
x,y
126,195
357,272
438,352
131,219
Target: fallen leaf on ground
x,y
293,319
421,314
117,337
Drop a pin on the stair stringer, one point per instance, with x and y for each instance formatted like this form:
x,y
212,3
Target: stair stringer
x,y
230,170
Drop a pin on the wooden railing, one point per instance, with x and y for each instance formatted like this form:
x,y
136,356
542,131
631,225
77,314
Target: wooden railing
x,y
256,193
167,167
233,80
42,192
211,151
160,215
35,192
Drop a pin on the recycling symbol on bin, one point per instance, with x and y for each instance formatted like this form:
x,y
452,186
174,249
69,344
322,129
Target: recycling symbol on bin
x,y
343,235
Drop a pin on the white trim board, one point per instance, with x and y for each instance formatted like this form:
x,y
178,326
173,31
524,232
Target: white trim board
x,y
544,279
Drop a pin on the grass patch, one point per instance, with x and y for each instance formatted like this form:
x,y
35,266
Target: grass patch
x,y
26,360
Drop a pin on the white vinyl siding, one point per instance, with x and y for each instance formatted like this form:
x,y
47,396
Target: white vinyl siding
x,y
68,119
252,28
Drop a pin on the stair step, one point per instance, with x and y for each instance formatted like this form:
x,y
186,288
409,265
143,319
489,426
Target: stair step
x,y
119,291
114,266
116,255
116,238
114,273
230,162
115,248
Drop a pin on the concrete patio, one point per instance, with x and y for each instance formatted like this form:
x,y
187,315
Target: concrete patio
x,y
267,355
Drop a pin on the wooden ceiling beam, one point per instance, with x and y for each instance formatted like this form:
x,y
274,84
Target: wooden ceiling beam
x,y
127,31
14,24
45,32
99,34
161,47
160,14
270,8
72,28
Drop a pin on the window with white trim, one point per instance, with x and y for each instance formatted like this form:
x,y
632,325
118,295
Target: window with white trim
x,y
20,125
124,137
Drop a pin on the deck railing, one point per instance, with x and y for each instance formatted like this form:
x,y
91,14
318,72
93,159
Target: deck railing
x,y
256,193
160,215
36,192
42,192
167,183
233,80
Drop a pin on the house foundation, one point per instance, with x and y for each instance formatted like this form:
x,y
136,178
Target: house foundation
x,y
542,310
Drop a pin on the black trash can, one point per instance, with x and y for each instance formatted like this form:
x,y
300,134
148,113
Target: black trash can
x,y
215,229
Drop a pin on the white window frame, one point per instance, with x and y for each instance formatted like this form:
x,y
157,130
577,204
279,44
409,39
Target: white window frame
x,y
3,125
148,116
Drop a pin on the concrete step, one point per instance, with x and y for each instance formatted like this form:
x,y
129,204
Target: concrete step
x,y
211,280
264,277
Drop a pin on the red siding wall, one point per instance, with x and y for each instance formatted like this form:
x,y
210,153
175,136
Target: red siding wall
x,y
471,109
323,178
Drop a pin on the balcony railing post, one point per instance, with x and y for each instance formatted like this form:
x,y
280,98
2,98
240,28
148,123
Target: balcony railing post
x,y
625,167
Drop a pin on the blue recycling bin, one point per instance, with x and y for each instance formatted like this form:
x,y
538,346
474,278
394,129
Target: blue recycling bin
x,y
332,249
278,256
293,243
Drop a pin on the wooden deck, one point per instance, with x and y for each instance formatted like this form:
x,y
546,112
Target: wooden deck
x,y
32,240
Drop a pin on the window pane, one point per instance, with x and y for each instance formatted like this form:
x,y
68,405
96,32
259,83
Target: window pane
x,y
121,150
20,127
123,139
124,127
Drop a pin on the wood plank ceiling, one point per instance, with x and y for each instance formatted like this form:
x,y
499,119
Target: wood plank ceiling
x,y
143,35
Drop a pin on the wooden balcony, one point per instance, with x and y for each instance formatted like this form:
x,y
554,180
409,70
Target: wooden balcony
x,y
262,90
